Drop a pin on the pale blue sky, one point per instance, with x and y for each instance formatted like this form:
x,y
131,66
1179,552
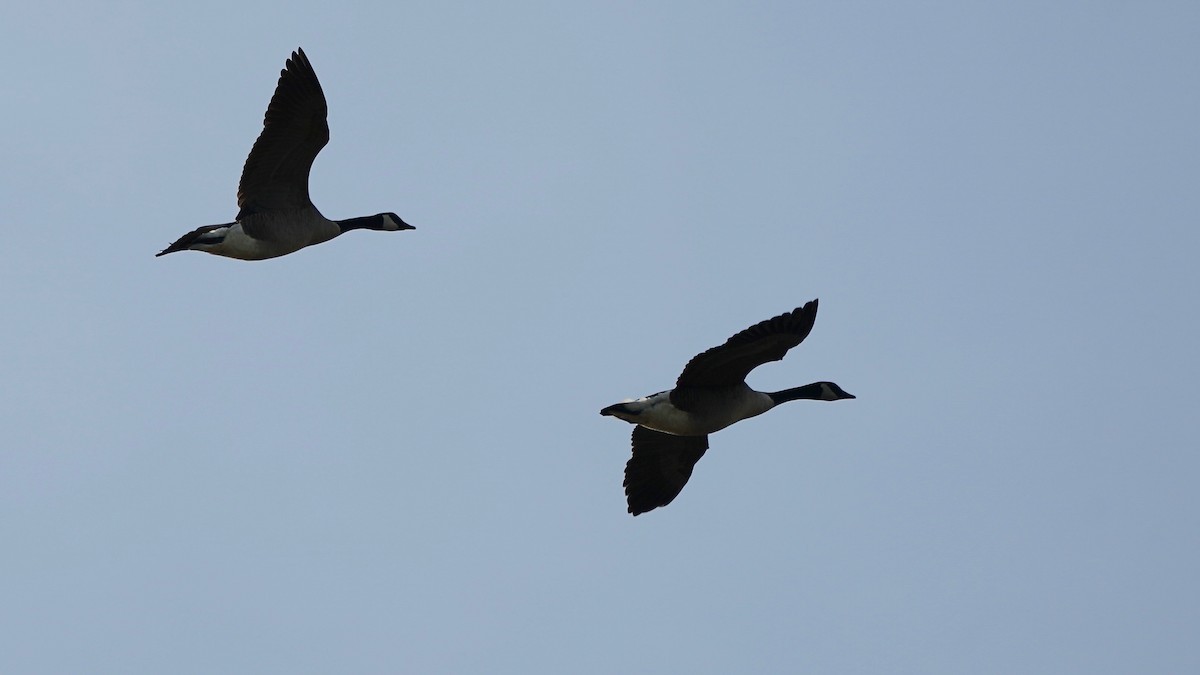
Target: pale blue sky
x,y
383,454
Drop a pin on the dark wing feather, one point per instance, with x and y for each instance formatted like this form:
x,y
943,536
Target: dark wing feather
x,y
294,131
661,465
769,340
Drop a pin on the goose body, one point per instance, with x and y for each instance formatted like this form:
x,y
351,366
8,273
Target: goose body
x,y
673,426
716,410
276,216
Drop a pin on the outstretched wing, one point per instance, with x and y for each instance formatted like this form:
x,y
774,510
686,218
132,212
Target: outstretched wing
x,y
295,129
659,468
765,341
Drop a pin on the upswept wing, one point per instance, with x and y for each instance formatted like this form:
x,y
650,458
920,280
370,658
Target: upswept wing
x,y
769,340
295,128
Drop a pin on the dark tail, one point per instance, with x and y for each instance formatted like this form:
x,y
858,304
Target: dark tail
x,y
612,409
196,235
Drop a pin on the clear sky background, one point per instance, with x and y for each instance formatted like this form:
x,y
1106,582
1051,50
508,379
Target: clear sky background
x,y
384,454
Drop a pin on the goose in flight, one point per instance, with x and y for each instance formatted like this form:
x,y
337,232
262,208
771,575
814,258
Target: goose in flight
x,y
673,426
276,216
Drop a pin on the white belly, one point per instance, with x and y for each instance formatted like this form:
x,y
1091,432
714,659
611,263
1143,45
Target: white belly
x,y
237,244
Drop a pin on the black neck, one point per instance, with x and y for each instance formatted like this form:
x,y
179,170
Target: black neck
x,y
810,391
374,222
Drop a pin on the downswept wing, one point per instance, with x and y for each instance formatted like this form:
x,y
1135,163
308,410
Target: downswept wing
x,y
729,364
659,468
295,129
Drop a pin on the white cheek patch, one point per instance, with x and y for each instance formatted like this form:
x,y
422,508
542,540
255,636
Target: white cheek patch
x,y
827,393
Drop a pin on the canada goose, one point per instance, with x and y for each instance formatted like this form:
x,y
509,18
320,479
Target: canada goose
x,y
711,394
277,217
